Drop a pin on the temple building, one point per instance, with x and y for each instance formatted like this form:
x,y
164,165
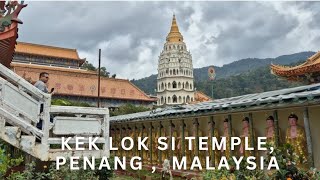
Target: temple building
x,y
308,72
70,81
300,103
175,83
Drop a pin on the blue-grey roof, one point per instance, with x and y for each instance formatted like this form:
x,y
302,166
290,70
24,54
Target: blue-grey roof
x,y
283,97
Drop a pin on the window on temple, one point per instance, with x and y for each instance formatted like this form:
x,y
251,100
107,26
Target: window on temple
x,y
188,99
174,99
174,85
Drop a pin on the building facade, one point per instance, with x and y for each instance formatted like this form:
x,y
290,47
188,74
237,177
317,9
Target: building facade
x,y
70,81
175,83
206,117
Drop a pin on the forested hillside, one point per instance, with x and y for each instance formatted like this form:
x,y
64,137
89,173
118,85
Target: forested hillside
x,y
244,76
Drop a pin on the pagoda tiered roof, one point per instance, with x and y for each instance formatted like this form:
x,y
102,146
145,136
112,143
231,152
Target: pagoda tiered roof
x,y
307,71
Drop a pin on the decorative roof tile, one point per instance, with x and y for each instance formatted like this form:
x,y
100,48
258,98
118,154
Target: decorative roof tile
x,y
300,95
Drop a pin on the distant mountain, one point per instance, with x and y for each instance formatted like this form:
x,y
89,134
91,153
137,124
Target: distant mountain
x,y
244,65
239,77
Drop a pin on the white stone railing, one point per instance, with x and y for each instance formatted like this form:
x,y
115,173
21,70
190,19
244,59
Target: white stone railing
x,y
85,122
20,104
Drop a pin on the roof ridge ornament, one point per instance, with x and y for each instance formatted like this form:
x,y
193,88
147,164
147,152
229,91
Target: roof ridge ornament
x,y
9,13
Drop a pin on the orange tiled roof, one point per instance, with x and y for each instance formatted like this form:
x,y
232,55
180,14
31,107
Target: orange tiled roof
x,y
312,64
200,97
51,68
75,82
49,51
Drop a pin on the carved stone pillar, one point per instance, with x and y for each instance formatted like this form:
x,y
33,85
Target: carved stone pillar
x,y
141,136
196,125
230,132
121,136
308,136
135,149
183,149
170,140
212,126
251,130
150,143
159,151
276,127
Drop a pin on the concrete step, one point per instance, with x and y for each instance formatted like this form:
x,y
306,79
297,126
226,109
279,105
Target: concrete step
x,y
2,125
12,135
27,142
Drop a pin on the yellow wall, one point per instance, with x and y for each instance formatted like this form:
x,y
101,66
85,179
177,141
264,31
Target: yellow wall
x,y
315,134
259,123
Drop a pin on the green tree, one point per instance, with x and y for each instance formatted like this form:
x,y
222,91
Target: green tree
x,y
91,67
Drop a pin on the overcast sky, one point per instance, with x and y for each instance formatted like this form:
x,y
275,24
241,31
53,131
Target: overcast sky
x,y
131,34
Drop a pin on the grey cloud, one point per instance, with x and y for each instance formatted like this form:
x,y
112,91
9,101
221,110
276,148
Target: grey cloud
x,y
228,30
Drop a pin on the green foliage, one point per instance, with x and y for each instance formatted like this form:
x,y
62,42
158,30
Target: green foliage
x,y
29,174
241,77
6,161
64,102
218,174
255,81
105,173
147,84
64,173
91,67
286,159
128,109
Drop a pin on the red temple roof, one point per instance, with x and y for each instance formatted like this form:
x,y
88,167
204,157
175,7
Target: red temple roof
x,y
9,30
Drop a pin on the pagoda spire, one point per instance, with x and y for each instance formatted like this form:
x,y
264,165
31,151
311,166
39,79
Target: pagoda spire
x,y
174,34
